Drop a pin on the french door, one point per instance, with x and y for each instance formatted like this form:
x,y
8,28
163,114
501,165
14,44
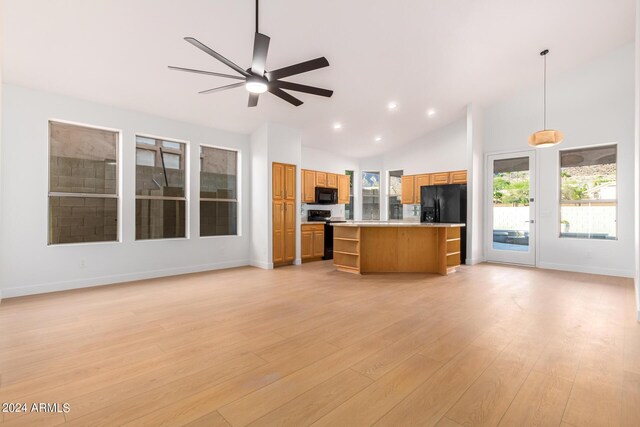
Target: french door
x,y
511,236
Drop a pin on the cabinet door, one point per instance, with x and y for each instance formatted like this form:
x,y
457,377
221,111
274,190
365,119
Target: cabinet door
x,y
278,231
344,185
408,189
306,249
458,177
289,230
290,182
321,179
318,243
421,180
308,186
332,180
440,178
277,179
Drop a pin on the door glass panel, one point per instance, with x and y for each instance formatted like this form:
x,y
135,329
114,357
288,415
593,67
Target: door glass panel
x,y
511,182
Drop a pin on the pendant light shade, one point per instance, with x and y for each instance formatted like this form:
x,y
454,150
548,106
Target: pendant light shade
x,y
546,137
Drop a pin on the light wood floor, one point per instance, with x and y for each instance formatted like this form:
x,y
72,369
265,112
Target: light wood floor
x,y
489,345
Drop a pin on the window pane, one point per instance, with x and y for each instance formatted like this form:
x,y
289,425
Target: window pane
x,y
218,218
158,181
160,219
395,194
348,209
82,219
145,141
371,195
511,212
588,220
588,192
172,145
171,161
218,174
145,157
82,160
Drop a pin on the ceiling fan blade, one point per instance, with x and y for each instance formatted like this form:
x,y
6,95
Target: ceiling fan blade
x,y
216,55
209,73
302,88
253,99
260,49
284,95
221,88
300,68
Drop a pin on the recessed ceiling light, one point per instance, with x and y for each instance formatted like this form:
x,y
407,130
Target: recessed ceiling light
x,y
377,139
431,112
337,126
392,106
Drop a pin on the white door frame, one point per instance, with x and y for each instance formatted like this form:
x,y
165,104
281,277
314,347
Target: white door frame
x,y
511,257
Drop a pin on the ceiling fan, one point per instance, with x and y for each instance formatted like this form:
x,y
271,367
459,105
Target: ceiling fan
x,y
257,79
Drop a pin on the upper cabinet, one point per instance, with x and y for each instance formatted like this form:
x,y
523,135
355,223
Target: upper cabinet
x,y
344,184
411,183
312,179
308,186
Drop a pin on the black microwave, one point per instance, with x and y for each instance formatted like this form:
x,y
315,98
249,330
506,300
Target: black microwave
x,y
326,196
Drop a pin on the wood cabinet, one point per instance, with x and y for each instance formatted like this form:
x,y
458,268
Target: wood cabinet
x,y
344,189
440,178
458,177
332,180
408,189
308,186
411,183
312,244
321,179
420,181
283,213
312,179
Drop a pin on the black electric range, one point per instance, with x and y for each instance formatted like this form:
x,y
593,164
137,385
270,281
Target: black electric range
x,y
325,216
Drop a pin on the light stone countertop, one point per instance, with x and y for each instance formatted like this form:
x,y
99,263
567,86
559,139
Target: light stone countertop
x,y
397,224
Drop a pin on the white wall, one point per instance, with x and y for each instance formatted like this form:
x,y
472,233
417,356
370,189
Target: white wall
x,y
591,105
475,185
444,149
637,160
260,201
28,265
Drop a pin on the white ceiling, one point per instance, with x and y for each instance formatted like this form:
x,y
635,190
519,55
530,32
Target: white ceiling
x,y
423,54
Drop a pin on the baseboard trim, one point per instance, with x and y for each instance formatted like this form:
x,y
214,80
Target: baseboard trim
x,y
585,269
474,261
262,264
118,278
297,261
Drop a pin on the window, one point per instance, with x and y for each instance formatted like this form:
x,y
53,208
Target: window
x,y
348,209
160,189
371,195
588,196
83,184
395,194
218,192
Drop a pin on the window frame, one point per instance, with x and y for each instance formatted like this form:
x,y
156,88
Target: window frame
x,y
388,192
559,189
351,174
116,196
186,198
238,199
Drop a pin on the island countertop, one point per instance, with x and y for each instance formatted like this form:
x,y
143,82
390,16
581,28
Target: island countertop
x,y
397,224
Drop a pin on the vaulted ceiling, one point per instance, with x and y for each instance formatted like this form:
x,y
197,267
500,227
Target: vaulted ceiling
x,y
421,54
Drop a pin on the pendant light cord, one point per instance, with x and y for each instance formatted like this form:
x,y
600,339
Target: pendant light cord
x,y
257,16
545,93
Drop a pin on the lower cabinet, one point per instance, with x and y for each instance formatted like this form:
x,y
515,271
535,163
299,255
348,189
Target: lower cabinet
x,y
312,245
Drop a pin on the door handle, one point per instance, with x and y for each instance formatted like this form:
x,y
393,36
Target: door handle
x,y
532,221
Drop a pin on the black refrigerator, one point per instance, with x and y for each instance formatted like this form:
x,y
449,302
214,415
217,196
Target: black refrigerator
x,y
446,203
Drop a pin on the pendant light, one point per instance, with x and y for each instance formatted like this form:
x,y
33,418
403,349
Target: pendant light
x,y
545,137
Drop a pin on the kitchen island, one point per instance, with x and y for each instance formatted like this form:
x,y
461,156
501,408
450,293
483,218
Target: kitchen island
x,y
396,247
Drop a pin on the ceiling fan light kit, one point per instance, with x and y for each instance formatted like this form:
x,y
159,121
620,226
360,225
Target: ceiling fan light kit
x,y
257,79
546,137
